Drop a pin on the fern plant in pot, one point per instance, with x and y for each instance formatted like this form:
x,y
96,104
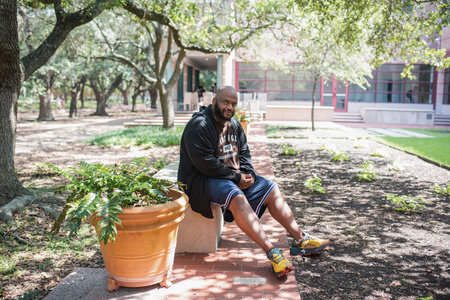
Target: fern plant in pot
x,y
136,217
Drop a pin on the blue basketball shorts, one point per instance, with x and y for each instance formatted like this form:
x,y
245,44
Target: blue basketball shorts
x,y
222,191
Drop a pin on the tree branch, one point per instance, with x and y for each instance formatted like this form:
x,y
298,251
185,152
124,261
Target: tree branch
x,y
126,61
63,26
168,54
179,66
156,48
103,35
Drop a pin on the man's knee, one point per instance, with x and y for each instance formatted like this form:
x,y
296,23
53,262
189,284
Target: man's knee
x,y
238,202
275,192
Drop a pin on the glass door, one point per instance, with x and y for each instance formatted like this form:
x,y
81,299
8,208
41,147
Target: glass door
x,y
327,93
334,93
340,103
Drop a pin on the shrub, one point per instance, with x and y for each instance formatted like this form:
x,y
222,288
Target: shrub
x,y
405,203
105,190
368,173
314,183
444,190
340,156
289,150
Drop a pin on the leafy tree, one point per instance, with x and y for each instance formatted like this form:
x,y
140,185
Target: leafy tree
x,y
189,30
14,69
347,39
215,28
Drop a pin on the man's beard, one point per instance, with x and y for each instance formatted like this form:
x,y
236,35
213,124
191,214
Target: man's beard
x,y
219,114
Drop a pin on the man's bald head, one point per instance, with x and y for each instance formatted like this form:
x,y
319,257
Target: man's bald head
x,y
225,91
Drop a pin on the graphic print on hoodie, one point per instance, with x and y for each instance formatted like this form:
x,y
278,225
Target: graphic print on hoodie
x,y
228,150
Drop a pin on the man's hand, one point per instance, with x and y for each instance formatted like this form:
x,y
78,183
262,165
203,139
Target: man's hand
x,y
246,181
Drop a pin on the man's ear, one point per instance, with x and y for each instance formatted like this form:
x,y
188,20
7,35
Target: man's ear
x,y
214,100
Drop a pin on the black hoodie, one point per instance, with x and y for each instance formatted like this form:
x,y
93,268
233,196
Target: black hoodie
x,y
198,162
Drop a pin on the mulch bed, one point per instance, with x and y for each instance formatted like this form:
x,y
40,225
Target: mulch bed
x,y
375,252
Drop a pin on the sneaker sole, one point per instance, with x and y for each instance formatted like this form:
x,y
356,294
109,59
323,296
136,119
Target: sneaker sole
x,y
312,251
284,272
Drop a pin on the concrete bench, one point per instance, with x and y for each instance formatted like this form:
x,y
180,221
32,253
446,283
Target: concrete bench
x,y
196,234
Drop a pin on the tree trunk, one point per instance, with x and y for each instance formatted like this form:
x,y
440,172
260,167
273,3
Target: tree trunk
x,y
168,111
124,91
45,102
74,93
45,108
125,96
103,97
83,84
73,104
100,98
313,102
133,102
134,97
167,108
11,78
153,95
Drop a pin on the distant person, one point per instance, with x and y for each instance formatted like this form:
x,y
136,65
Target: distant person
x,y
412,94
147,103
200,92
59,102
216,166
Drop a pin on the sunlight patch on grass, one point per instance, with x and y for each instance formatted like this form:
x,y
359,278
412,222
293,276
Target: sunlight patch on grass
x,y
139,136
434,148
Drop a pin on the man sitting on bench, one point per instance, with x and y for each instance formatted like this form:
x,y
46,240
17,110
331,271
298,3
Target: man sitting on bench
x,y
216,166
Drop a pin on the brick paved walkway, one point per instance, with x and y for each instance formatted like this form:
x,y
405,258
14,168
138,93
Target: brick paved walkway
x,y
240,269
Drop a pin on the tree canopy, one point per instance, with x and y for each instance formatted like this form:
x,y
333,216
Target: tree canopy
x,y
399,30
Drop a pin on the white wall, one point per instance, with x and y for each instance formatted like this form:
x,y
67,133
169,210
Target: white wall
x,y
357,107
445,110
398,116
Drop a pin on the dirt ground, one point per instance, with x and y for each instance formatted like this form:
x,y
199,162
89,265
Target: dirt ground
x,y
376,252
60,143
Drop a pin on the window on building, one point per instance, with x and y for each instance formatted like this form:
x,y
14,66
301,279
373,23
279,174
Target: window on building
x,y
446,95
390,84
386,85
276,84
392,88
358,94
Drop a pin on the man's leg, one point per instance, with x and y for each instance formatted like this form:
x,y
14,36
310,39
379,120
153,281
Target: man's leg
x,y
304,244
249,222
282,213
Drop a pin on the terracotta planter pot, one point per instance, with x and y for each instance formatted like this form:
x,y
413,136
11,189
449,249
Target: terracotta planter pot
x,y
144,249
244,126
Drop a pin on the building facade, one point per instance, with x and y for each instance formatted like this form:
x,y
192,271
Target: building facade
x,y
389,98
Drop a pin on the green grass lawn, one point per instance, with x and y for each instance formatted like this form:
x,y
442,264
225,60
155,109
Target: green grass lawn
x,y
139,136
435,148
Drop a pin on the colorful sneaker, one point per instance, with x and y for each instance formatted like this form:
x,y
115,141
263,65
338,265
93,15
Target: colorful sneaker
x,y
308,245
281,266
